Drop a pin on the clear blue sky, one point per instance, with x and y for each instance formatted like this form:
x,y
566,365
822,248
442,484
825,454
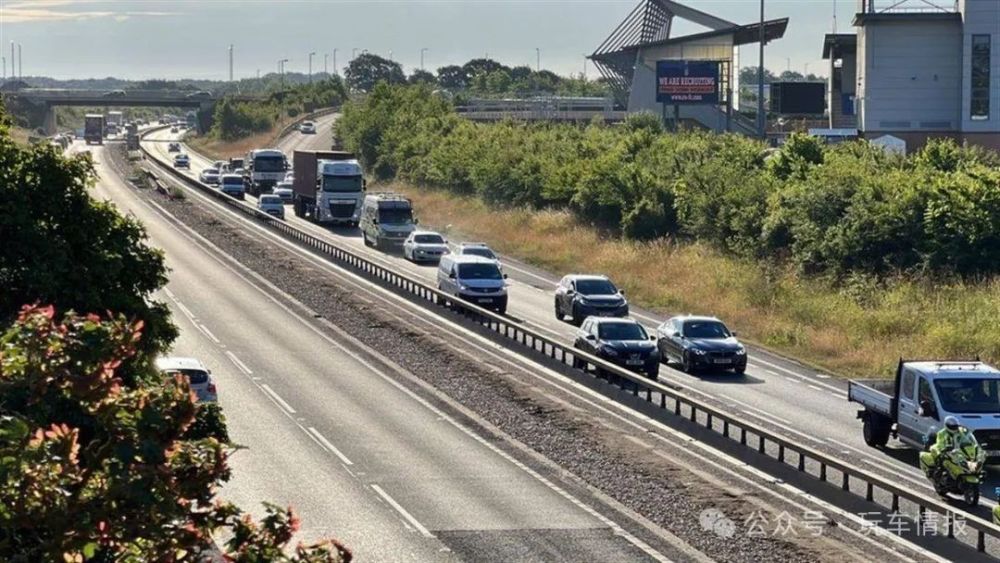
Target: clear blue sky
x,y
189,38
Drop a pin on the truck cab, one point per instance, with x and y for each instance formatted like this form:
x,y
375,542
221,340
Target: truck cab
x,y
913,406
263,168
340,191
386,220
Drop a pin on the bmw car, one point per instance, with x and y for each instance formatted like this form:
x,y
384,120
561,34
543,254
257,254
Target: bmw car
x,y
700,343
581,296
620,341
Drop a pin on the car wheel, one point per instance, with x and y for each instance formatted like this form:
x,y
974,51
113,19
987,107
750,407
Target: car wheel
x,y
559,315
740,370
685,363
364,237
576,316
654,374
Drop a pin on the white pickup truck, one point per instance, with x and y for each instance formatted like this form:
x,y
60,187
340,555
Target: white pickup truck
x,y
912,407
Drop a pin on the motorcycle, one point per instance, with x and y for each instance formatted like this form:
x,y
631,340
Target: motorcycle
x,y
960,471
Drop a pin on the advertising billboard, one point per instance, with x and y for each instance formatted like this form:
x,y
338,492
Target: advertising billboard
x,y
687,82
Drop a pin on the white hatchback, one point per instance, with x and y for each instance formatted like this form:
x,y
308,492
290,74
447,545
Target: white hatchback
x,y
199,377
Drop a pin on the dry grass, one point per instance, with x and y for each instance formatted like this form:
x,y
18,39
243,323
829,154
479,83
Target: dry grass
x,y
217,149
861,329
21,135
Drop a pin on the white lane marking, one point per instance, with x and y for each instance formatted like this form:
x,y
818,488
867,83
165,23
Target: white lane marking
x,y
406,515
243,367
792,379
187,312
797,374
208,333
816,387
822,376
277,398
169,293
784,427
326,444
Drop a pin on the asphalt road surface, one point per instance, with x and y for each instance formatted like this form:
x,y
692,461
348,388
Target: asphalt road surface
x,y
361,458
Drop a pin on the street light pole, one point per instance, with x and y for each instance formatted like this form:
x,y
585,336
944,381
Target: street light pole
x,y
230,62
538,59
761,117
585,66
311,66
806,73
281,70
326,69
335,62
422,51
13,70
20,64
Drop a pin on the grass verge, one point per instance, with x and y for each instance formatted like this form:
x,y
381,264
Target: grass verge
x,y
860,328
218,149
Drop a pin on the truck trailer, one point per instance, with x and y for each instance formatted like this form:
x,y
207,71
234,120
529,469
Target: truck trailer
x,y
93,128
328,188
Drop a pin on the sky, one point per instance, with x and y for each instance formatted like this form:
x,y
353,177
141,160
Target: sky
x,y
139,39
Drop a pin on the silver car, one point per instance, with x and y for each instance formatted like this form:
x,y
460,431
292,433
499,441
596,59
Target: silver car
x,y
199,377
425,246
272,205
479,249
209,176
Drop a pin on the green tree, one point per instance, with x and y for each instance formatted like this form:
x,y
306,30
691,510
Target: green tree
x,y
453,77
368,69
421,76
60,246
95,462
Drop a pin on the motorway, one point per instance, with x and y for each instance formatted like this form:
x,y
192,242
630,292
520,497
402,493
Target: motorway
x,y
783,395
330,433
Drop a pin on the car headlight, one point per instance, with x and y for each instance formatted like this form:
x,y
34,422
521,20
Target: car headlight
x,y
463,287
741,351
698,351
610,351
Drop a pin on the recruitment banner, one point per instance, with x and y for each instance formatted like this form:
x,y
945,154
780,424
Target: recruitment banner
x,y
687,82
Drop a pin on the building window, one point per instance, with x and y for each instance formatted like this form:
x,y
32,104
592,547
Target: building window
x,y
980,94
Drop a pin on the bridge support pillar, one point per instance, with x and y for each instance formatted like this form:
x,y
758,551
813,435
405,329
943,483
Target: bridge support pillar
x,y
49,122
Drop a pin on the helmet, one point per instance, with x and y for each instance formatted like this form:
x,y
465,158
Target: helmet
x,y
951,423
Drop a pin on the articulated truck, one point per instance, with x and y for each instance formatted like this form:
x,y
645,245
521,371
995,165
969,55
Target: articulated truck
x,y
329,187
93,128
262,169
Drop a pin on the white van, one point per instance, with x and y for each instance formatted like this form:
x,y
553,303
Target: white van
x,y
474,279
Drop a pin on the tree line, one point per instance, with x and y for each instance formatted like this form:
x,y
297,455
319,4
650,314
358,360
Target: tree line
x,y
830,210
233,119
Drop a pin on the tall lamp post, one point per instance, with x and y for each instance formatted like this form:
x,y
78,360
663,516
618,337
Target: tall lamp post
x,y
326,69
422,51
281,71
538,59
335,62
311,66
761,117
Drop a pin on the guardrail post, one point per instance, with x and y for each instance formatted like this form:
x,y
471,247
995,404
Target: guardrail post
x,y
870,492
760,444
725,428
743,436
980,541
781,453
708,422
951,525
802,461
895,502
822,472
846,485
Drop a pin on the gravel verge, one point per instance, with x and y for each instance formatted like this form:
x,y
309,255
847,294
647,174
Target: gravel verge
x,y
576,439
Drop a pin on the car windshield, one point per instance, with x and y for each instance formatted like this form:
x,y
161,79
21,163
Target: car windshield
x,y
705,329
479,251
395,216
196,376
233,181
269,164
428,239
479,272
969,395
342,183
270,199
621,331
595,287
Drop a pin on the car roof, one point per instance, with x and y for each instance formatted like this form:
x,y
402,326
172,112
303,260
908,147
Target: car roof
x,y
577,277
415,233
179,362
957,369
232,176
610,320
472,259
697,318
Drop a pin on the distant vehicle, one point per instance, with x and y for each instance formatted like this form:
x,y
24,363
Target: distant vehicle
x,y
700,343
473,279
115,94
425,246
174,129
93,128
209,176
182,161
272,205
116,118
199,377
235,163
173,147
581,296
386,220
263,169
307,128
478,249
199,94
329,187
191,119
623,342
284,191
232,185
912,406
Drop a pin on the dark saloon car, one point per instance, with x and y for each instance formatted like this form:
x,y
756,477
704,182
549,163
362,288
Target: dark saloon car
x,y
700,343
620,341
581,296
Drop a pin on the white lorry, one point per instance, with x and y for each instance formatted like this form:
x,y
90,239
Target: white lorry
x,y
262,169
329,187
912,406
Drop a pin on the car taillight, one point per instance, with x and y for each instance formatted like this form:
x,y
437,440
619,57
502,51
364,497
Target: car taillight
x,y
211,388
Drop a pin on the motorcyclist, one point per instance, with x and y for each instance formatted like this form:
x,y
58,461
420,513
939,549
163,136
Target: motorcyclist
x,y
948,438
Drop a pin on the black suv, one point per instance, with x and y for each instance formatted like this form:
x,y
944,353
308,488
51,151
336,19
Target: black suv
x,y
581,296
700,343
620,341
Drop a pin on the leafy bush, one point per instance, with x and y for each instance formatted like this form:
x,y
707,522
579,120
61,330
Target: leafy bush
x,y
832,210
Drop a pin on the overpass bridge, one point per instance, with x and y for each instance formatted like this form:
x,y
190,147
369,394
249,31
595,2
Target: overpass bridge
x,y
51,98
